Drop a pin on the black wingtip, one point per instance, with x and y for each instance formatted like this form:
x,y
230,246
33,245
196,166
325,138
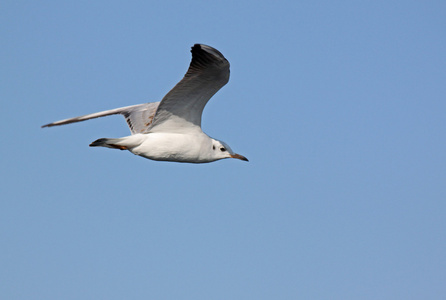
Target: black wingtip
x,y
200,49
204,57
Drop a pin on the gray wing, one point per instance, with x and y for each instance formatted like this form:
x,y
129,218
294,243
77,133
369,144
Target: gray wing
x,y
182,107
138,117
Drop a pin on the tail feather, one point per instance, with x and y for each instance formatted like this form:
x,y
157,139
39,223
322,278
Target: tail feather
x,y
124,143
99,143
109,143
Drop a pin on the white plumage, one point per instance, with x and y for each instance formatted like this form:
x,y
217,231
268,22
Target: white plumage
x,y
170,130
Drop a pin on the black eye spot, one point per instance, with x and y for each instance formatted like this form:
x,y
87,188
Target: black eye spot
x,y
213,147
222,149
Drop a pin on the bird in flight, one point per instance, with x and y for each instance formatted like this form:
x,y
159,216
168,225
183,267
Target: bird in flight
x,y
170,130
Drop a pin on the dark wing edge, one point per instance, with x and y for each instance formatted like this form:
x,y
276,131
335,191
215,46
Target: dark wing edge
x,y
205,57
208,72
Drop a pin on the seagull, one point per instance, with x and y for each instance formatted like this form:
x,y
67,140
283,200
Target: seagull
x,y
170,130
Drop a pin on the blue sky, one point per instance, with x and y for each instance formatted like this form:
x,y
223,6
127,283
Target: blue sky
x,y
338,105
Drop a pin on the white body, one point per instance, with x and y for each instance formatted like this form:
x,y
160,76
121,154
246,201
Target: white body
x,y
194,147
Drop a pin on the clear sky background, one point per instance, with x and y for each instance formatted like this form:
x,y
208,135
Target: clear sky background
x,y
339,105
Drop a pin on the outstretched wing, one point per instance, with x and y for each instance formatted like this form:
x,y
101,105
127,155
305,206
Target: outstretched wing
x,y
138,117
182,107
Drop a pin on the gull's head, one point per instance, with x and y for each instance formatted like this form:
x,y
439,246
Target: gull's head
x,y
221,150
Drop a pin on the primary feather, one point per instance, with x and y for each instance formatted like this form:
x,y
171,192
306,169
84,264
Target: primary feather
x,y
138,117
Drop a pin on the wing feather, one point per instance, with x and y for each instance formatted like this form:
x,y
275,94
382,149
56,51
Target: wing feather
x,y
138,117
182,107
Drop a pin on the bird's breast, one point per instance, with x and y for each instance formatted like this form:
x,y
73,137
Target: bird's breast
x,y
173,147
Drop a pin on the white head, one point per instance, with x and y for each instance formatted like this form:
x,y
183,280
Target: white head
x,y
221,150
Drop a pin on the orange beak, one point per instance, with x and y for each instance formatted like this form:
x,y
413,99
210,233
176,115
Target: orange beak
x,y
239,157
